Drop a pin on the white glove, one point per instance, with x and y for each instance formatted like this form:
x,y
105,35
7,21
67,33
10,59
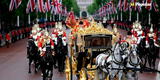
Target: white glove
x,y
52,47
156,45
147,46
40,49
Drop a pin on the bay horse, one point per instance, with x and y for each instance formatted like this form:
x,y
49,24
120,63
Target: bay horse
x,y
32,54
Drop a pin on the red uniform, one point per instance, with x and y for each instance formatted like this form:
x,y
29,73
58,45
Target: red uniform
x,y
17,33
1,37
64,34
13,33
8,37
42,48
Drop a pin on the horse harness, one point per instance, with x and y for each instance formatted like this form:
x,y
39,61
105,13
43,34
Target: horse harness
x,y
133,64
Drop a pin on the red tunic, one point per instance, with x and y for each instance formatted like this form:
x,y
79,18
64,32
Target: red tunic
x,y
1,37
13,33
8,37
64,34
52,43
39,44
17,33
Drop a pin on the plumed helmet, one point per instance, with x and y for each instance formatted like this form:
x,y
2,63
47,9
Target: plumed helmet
x,y
140,27
60,25
45,32
34,31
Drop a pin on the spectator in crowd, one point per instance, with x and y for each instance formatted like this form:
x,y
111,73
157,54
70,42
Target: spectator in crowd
x,y
13,36
8,38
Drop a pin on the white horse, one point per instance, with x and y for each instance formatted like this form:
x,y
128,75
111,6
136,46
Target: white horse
x,y
133,61
106,62
120,52
102,61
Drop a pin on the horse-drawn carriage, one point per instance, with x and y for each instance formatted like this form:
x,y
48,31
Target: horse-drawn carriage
x,y
85,44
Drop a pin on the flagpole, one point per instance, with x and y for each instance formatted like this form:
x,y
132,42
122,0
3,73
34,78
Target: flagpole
x,y
149,18
117,16
50,17
29,19
130,17
18,21
53,17
108,16
121,16
46,17
37,18
137,16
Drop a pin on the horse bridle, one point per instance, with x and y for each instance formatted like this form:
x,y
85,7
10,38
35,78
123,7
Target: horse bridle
x,y
116,61
133,64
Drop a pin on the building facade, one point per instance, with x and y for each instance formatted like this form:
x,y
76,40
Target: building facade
x,y
83,5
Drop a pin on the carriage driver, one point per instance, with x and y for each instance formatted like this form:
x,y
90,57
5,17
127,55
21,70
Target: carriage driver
x,y
153,36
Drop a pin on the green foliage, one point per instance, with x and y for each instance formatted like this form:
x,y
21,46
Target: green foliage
x,y
71,4
96,5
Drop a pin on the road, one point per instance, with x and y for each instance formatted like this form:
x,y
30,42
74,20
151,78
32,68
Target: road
x,y
14,64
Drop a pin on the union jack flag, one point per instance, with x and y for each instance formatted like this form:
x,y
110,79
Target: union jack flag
x,y
155,5
30,6
48,5
14,3
120,5
41,6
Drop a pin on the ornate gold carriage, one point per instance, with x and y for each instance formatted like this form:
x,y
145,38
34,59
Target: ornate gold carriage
x,y
94,38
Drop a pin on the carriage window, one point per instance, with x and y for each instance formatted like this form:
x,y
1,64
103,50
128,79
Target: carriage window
x,y
98,41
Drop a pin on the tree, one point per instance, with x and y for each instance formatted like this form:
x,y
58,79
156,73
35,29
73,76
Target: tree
x,y
71,4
